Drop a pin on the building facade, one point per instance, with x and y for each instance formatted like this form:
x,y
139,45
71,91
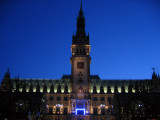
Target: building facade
x,y
79,96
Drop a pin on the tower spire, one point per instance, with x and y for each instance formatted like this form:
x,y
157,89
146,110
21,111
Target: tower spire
x,y
81,6
80,59
80,37
81,11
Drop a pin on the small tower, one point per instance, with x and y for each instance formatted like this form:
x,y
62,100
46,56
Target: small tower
x,y
80,60
6,84
155,81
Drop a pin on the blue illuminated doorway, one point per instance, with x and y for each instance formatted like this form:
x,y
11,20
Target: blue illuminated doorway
x,y
80,111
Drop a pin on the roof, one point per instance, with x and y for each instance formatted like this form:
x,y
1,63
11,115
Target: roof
x,y
91,77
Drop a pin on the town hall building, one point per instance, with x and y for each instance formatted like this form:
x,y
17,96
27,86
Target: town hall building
x,y
78,96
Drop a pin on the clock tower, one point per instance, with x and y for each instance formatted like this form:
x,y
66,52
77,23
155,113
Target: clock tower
x,y
80,60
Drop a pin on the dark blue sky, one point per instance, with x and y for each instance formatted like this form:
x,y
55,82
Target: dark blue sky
x,y
36,36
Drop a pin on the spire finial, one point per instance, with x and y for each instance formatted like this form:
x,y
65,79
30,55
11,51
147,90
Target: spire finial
x,y
81,6
8,70
158,71
81,11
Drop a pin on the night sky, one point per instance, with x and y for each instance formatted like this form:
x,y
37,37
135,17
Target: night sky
x,y
36,37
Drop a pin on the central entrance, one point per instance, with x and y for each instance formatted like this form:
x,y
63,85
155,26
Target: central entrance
x,y
80,107
80,111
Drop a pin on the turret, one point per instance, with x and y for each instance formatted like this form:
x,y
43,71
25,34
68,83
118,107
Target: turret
x,y
6,84
155,81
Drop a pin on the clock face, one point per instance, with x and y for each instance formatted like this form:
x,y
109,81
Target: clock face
x,y
80,65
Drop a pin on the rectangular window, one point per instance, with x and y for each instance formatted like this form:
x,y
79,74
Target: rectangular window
x,y
51,98
65,98
59,98
95,111
65,111
102,98
109,100
94,98
50,110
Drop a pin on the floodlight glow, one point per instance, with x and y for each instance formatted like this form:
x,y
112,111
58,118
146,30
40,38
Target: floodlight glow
x,y
80,109
140,105
59,105
102,105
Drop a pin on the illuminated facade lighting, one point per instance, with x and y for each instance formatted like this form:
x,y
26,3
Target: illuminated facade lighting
x,y
59,105
102,105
